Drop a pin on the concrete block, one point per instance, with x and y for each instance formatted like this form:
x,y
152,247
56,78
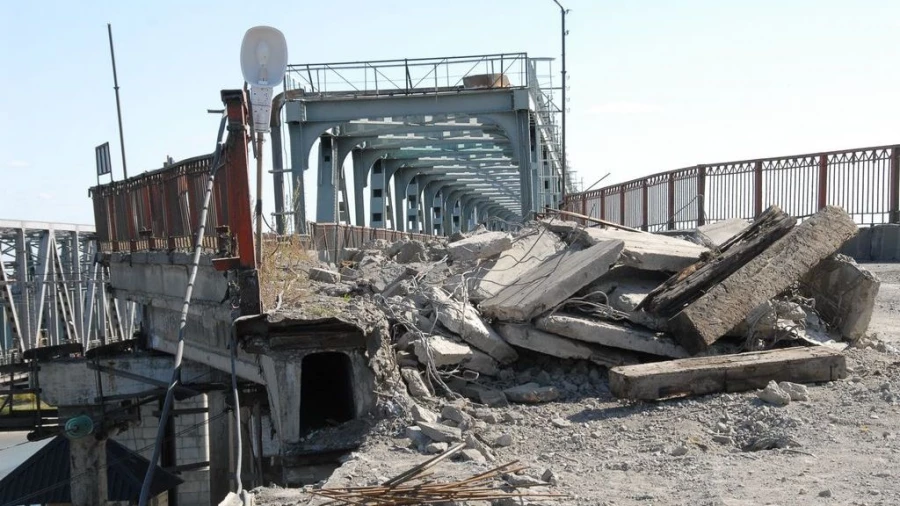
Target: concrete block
x,y
612,335
421,414
530,338
786,261
885,243
481,363
552,282
414,383
479,246
440,432
527,252
845,294
323,275
462,319
444,351
652,252
715,234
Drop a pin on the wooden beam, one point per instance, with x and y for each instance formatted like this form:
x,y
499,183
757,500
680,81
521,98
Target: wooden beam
x,y
726,373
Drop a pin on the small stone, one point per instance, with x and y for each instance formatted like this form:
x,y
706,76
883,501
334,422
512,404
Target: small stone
x,y
561,423
795,390
476,444
453,413
550,477
434,448
493,398
522,480
679,451
531,393
488,416
723,440
596,434
722,427
873,416
324,275
472,455
773,394
825,493
421,414
414,383
440,432
416,436
504,440
512,416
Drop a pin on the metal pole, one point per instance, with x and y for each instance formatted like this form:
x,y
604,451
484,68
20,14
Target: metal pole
x,y
563,11
259,209
112,54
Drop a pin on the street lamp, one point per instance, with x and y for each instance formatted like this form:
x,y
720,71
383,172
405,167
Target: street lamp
x,y
563,11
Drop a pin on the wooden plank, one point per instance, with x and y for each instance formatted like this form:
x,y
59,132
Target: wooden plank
x,y
726,373
692,282
768,274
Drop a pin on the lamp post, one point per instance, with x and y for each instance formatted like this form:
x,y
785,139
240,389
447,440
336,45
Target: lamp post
x,y
562,12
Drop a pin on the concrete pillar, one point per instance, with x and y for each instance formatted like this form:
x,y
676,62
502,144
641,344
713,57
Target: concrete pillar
x,y
378,196
412,206
87,467
220,442
328,180
283,389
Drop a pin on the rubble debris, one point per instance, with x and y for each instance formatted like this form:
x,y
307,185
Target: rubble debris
x,y
626,287
554,281
726,304
796,391
412,251
845,294
691,283
726,373
481,363
530,338
472,455
414,383
716,234
416,436
421,414
531,393
434,448
503,440
652,252
479,246
528,251
608,334
324,275
462,319
774,394
493,398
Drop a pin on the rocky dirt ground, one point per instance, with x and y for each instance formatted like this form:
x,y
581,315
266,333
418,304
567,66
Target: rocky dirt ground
x,y
839,447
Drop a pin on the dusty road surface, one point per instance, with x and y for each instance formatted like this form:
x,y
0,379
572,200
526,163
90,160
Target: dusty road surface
x,y
840,447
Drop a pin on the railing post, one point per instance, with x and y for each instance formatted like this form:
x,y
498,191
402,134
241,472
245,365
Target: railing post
x,y
701,195
584,210
621,205
823,181
670,202
602,212
757,189
894,204
645,206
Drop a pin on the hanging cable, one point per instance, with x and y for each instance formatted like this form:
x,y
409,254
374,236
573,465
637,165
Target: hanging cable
x,y
179,352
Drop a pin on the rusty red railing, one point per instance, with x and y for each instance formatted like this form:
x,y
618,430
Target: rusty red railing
x,y
864,181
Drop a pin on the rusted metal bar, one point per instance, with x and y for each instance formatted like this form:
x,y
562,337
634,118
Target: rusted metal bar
x,y
823,181
239,216
894,181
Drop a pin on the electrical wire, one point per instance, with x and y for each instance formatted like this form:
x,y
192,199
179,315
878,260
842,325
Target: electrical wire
x,y
179,352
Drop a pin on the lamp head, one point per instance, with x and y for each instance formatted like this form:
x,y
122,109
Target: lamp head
x,y
263,56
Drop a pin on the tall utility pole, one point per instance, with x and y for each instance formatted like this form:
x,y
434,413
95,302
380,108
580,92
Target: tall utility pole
x,y
563,11
112,54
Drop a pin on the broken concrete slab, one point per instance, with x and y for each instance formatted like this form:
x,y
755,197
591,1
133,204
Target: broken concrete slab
x,y
530,338
786,261
555,280
421,414
324,275
845,294
444,351
412,251
715,234
479,246
481,363
612,335
726,373
440,432
652,252
462,319
527,252
414,383
626,287
531,393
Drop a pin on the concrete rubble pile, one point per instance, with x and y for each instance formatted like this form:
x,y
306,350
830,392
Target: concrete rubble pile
x,y
659,315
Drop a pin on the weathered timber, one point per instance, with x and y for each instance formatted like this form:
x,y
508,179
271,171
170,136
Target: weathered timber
x,y
726,373
771,272
689,284
530,338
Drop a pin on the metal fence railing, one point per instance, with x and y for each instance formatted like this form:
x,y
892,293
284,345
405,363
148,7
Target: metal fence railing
x,y
410,76
865,182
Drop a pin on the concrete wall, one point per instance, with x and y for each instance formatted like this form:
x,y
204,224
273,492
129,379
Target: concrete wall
x,y
192,446
879,243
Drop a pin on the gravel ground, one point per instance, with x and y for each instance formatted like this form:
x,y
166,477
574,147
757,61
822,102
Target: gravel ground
x,y
842,446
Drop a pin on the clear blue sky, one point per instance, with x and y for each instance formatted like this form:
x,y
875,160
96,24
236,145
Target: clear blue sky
x,y
654,85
